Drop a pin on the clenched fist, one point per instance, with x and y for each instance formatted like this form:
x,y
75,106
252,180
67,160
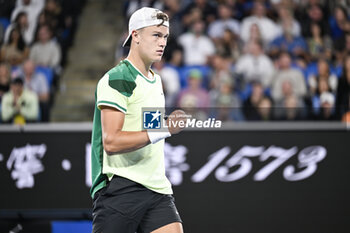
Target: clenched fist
x,y
176,121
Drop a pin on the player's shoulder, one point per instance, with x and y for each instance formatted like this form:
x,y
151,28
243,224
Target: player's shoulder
x,y
121,78
122,71
121,68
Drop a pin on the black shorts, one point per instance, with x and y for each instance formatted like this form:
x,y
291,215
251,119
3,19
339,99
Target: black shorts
x,y
128,207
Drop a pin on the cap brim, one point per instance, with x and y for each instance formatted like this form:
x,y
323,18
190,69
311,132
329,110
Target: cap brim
x,y
127,41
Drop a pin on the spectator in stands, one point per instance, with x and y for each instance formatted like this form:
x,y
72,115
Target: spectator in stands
x,y
314,14
198,10
339,22
284,73
323,87
197,47
327,112
251,105
295,45
225,102
4,79
238,9
172,9
254,35
267,27
255,65
176,57
37,82
343,91
285,16
15,50
194,14
221,71
170,80
45,18
265,109
323,73
342,48
52,12
46,51
194,96
229,46
31,7
217,28
27,30
319,44
290,106
174,53
19,105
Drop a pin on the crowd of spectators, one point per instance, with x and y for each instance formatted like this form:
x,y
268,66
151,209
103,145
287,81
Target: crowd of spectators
x,y
243,59
34,38
256,59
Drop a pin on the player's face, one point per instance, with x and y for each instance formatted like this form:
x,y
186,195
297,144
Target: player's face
x,y
153,40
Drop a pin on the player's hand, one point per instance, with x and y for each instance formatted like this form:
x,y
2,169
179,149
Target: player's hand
x,y
176,121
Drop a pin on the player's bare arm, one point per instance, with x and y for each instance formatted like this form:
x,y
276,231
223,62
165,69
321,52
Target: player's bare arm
x,y
114,139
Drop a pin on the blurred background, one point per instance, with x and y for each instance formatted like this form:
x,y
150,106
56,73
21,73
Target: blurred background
x,y
277,72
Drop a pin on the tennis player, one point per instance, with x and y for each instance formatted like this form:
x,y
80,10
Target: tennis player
x,y
129,188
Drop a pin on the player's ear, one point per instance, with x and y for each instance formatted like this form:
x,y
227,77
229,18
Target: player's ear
x,y
136,36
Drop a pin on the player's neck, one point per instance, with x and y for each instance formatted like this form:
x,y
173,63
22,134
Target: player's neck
x,y
139,63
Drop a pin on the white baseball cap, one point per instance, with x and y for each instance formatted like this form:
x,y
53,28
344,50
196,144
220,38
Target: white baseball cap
x,y
144,17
